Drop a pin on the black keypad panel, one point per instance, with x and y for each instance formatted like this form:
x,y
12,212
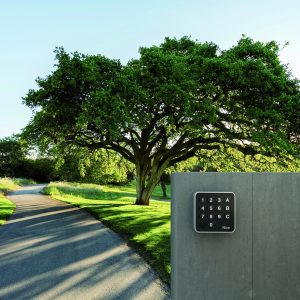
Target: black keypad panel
x,y
214,212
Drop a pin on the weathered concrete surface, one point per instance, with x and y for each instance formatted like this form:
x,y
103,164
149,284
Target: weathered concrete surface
x,y
51,250
211,266
260,260
276,236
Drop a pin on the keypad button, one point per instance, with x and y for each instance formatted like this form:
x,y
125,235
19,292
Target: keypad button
x,y
227,216
219,199
211,216
219,216
219,207
202,216
203,207
210,200
211,207
227,208
211,225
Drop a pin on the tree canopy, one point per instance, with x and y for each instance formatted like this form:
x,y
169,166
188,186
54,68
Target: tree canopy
x,y
173,101
73,163
12,153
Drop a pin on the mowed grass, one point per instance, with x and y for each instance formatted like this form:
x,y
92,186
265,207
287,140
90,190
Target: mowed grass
x,y
146,227
6,206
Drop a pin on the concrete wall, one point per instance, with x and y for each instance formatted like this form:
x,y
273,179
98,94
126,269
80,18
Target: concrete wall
x,y
260,260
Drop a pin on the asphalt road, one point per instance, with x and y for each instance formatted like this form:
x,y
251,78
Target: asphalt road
x,y
51,250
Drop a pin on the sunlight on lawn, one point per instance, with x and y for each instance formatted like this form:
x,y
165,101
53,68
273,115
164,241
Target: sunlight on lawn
x,y
147,226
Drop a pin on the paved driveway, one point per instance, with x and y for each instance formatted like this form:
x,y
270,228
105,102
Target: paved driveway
x,y
51,250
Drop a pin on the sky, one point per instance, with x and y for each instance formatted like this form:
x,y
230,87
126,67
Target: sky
x,y
30,30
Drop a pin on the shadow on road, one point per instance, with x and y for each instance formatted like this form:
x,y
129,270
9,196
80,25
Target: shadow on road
x,y
60,252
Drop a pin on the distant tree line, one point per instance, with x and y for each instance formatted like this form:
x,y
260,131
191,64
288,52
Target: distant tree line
x,y
79,164
17,159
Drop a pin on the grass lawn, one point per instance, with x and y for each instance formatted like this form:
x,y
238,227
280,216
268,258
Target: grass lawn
x,y
6,206
146,227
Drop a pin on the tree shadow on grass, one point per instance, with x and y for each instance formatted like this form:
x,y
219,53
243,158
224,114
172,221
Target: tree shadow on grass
x,y
139,224
139,220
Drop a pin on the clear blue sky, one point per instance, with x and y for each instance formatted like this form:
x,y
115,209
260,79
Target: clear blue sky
x,y
31,29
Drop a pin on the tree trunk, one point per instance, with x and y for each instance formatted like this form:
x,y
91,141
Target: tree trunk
x,y
146,181
163,182
141,196
144,190
164,188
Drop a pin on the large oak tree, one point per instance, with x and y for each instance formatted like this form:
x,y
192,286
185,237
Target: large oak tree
x,y
174,100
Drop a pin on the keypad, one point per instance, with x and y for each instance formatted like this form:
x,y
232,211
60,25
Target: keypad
x,y
214,211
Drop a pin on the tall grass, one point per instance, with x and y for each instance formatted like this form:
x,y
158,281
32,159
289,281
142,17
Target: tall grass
x,y
6,206
7,185
146,227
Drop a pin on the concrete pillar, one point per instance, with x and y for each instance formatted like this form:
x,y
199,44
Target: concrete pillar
x,y
260,260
